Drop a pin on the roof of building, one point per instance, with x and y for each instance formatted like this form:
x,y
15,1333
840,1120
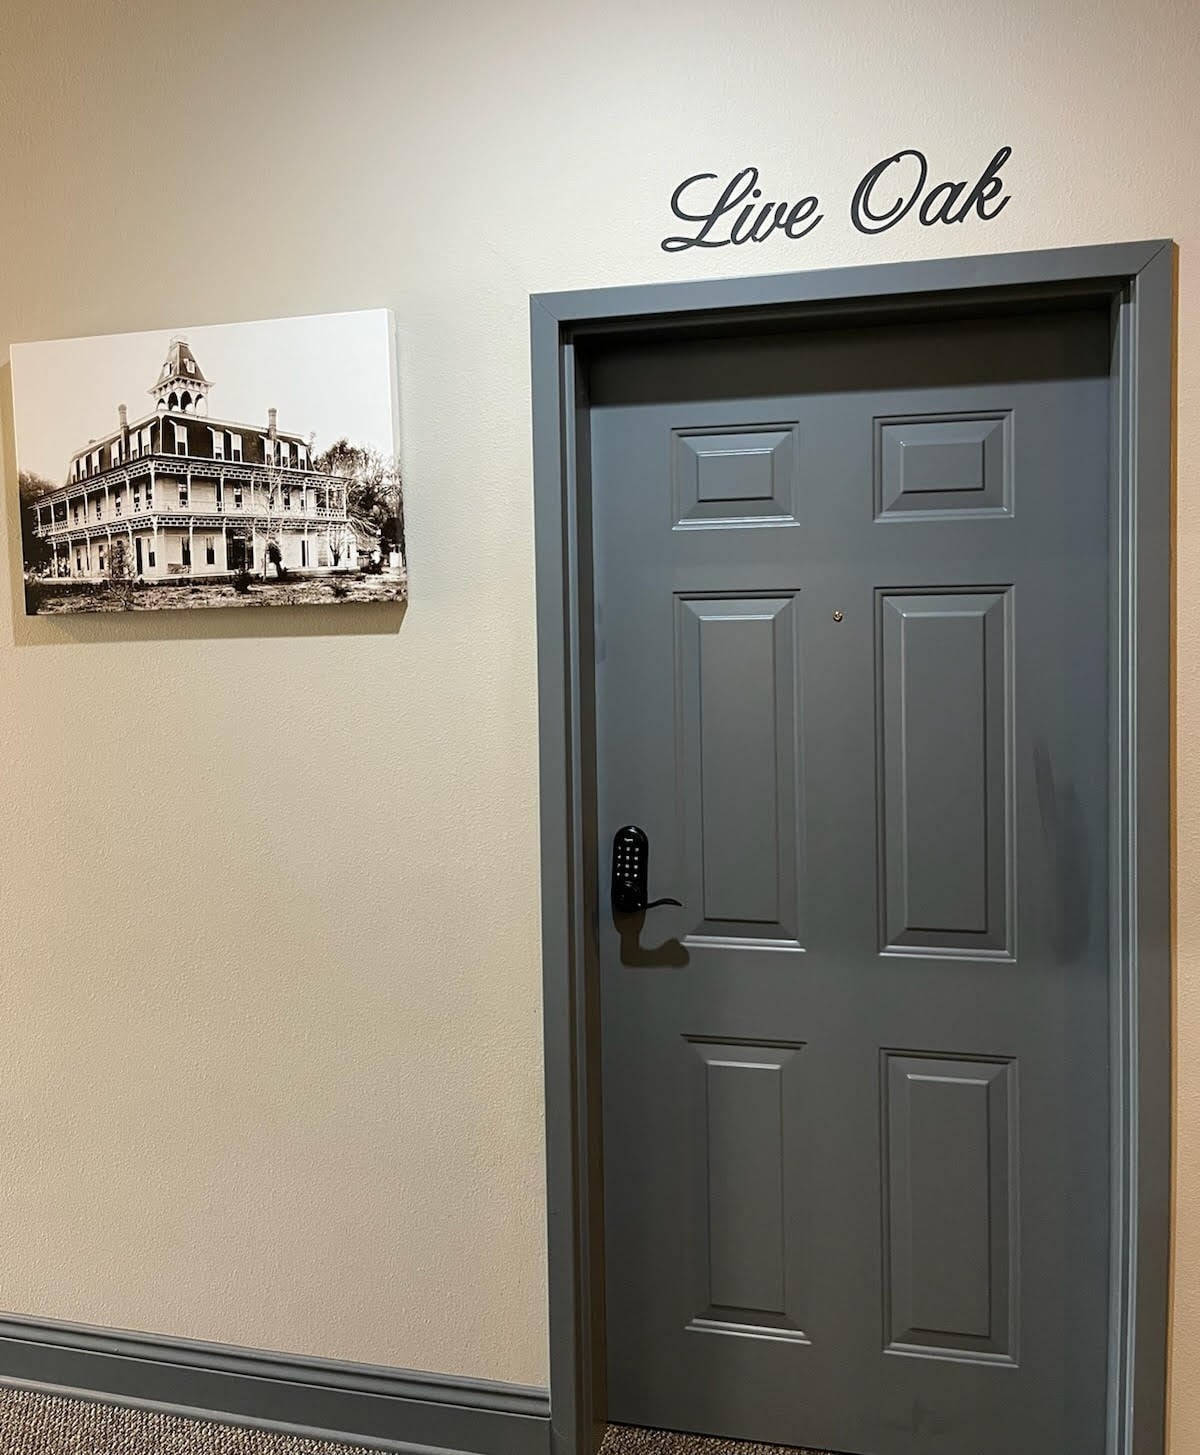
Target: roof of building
x,y
202,419
181,364
179,356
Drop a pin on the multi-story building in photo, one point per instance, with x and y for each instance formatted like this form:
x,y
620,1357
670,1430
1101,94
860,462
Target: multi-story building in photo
x,y
192,496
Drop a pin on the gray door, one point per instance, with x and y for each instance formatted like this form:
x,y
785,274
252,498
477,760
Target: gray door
x,y
852,621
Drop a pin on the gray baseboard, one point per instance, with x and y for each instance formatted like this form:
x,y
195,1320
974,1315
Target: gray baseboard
x,y
365,1404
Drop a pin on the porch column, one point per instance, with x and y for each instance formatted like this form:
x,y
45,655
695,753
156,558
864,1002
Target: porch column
x,y
225,546
156,543
191,540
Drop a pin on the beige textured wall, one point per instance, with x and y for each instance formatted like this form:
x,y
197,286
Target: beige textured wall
x,y
271,1068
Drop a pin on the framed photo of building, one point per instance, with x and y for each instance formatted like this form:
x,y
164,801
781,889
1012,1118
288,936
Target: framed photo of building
x,y
241,464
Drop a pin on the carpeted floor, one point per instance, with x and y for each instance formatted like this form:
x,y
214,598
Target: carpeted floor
x,y
41,1424
632,1440
32,1423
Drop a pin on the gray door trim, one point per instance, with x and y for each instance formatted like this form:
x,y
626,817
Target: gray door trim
x,y
1138,281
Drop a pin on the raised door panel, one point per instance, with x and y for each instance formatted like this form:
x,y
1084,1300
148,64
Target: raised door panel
x,y
734,476
950,1198
746,1093
943,465
739,745
945,737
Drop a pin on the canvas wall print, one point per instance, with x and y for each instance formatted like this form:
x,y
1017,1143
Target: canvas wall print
x,y
241,464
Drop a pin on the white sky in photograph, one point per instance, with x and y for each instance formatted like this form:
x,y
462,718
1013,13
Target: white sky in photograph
x,y
328,374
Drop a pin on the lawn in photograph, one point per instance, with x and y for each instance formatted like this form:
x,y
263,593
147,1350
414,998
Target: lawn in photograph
x,y
263,471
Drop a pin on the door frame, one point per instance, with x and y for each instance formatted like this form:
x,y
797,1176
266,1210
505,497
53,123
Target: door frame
x,y
1137,281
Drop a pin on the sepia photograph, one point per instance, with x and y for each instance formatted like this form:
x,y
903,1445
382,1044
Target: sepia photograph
x,y
241,464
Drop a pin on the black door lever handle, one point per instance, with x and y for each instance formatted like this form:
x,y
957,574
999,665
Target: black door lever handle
x,y
630,870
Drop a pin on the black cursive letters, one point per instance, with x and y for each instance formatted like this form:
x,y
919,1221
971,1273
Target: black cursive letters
x,y
988,187
755,222
941,203
735,191
860,209
938,202
739,213
800,212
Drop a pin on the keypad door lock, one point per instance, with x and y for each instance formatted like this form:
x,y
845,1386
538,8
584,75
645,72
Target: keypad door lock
x,y
630,871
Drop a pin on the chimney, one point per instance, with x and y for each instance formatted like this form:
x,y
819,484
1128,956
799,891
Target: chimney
x,y
123,416
272,416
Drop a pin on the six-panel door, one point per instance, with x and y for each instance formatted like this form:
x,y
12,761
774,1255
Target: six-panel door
x,y
851,606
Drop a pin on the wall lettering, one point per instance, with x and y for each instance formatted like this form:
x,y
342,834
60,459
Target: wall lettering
x,y
736,211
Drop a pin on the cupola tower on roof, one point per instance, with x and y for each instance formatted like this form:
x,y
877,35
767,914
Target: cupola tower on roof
x,y
181,385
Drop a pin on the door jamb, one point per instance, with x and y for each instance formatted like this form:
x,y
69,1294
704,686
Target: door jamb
x,y
1138,281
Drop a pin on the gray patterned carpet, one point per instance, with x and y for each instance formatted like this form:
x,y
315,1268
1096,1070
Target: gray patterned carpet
x,y
41,1424
32,1423
631,1440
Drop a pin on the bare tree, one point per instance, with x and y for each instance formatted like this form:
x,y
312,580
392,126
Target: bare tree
x,y
120,571
338,536
269,487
